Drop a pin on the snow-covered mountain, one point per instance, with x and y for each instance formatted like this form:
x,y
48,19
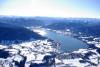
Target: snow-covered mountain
x,y
38,51
42,53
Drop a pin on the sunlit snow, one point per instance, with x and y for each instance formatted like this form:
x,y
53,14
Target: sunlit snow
x,y
41,31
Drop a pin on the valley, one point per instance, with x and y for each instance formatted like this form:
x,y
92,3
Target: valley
x,y
57,42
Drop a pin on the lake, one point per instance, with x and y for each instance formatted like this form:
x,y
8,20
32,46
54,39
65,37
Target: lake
x,y
68,43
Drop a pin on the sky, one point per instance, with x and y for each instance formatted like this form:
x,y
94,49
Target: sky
x,y
51,8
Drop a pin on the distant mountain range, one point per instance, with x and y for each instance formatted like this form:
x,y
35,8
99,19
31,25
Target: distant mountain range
x,y
42,21
21,21
88,26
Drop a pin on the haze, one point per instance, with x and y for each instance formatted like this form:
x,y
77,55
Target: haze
x,y
51,8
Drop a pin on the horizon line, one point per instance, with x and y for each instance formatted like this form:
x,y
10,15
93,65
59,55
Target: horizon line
x,y
49,16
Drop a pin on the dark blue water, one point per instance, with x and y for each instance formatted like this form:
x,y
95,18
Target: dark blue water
x,y
68,43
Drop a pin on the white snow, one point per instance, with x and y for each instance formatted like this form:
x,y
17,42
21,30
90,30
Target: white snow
x,y
74,62
17,58
36,50
40,31
2,46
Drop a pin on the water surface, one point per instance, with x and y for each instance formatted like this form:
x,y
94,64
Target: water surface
x,y
68,43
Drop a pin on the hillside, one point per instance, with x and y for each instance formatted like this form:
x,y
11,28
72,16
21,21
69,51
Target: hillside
x,y
87,28
11,32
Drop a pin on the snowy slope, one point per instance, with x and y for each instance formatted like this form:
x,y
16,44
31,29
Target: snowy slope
x,y
41,53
